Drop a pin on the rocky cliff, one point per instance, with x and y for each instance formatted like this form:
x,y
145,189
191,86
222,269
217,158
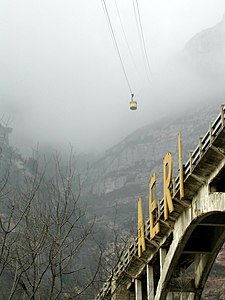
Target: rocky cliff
x,y
123,173
205,52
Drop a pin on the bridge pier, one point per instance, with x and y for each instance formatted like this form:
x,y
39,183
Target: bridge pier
x,y
150,282
200,262
170,296
187,296
180,296
138,289
113,288
162,257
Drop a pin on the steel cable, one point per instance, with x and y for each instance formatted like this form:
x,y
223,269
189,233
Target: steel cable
x,y
115,43
141,33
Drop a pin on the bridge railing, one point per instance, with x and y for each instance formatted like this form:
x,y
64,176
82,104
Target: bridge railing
x,y
194,159
203,146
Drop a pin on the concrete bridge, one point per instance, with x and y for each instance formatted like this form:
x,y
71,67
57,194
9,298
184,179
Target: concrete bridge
x,y
174,252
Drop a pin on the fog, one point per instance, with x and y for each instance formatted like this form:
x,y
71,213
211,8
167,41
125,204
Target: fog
x,y
61,82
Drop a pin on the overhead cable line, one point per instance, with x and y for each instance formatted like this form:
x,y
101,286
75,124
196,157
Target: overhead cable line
x,y
124,34
141,33
115,43
138,30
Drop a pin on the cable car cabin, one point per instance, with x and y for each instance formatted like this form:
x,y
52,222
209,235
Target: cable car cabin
x,y
133,105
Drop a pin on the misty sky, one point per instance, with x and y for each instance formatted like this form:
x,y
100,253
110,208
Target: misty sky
x,y
61,81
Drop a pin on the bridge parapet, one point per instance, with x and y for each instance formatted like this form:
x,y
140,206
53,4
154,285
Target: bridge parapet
x,y
166,253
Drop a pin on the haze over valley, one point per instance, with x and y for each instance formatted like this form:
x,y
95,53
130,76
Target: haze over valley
x,y
62,82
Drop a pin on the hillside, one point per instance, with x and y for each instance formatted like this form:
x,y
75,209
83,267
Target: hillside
x,y
205,53
123,173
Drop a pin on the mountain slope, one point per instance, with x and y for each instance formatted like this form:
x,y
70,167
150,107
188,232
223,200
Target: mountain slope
x,y
205,52
123,173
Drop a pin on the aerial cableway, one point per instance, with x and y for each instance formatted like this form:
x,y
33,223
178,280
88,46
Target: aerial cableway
x,y
133,103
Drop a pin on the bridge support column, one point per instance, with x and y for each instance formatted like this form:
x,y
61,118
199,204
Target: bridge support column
x,y
113,288
138,289
170,296
187,296
162,256
181,296
200,263
150,282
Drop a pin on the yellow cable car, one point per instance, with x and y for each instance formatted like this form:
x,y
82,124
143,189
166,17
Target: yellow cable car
x,y
133,104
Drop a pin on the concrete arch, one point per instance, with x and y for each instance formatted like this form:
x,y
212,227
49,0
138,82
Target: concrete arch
x,y
198,236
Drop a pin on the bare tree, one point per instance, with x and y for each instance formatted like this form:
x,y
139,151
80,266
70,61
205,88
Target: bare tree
x,y
113,249
42,233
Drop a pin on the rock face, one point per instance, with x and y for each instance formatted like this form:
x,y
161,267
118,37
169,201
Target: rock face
x,y
210,40
205,52
123,173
